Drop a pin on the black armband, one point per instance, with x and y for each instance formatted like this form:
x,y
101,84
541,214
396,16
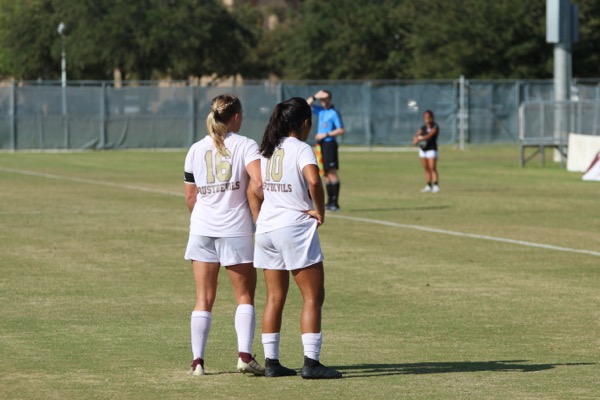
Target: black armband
x,y
188,177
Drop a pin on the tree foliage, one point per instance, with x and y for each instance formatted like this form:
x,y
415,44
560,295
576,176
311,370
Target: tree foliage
x,y
479,39
343,39
317,39
143,38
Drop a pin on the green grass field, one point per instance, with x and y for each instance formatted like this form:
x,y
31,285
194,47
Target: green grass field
x,y
96,298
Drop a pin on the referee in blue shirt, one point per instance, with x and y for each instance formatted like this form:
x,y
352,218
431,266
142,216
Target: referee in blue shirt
x,y
330,125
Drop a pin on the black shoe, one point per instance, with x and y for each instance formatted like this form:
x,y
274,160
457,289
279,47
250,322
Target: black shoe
x,y
329,206
333,207
274,369
315,370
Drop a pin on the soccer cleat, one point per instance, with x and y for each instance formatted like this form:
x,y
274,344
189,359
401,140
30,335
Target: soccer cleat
x,y
435,189
333,207
197,367
251,367
426,189
274,369
315,370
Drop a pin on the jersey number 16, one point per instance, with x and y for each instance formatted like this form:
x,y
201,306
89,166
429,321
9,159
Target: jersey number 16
x,y
222,164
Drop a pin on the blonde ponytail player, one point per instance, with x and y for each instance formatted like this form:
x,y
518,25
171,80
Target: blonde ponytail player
x,y
219,169
286,235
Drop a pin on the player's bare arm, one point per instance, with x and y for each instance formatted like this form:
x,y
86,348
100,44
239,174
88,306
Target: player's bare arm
x,y
417,137
317,96
191,193
335,132
255,188
430,135
315,187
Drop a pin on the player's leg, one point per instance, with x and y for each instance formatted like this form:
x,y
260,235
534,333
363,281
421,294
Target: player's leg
x,y
334,183
243,279
432,164
425,165
277,283
311,281
206,278
331,165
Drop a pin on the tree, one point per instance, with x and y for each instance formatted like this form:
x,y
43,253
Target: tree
x,y
342,39
27,52
478,38
586,54
318,39
145,39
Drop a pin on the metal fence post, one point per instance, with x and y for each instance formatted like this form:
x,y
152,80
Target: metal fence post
x,y
279,92
543,120
579,116
518,98
521,130
192,114
65,117
367,91
462,113
102,143
13,115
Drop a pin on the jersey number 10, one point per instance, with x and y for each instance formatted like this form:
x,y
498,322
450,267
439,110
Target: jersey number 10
x,y
274,170
222,164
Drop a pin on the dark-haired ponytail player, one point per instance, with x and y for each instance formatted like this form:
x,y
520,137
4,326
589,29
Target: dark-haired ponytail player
x,y
330,127
286,235
426,138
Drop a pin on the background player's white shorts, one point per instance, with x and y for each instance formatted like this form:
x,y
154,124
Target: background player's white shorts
x,y
289,248
428,153
226,251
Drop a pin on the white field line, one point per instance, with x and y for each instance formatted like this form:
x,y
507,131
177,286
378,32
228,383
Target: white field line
x,y
91,181
467,235
335,216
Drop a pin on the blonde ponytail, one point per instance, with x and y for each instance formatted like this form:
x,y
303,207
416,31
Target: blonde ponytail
x,y
223,109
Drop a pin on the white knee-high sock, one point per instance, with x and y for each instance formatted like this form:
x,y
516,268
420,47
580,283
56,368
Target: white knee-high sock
x,y
312,345
270,343
201,321
244,327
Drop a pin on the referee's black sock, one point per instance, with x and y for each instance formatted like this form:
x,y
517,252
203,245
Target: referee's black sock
x,y
335,191
329,187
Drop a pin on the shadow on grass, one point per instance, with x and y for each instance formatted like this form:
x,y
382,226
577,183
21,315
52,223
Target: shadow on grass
x,y
424,208
369,370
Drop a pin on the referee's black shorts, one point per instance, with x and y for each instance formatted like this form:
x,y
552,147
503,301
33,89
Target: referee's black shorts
x,y
329,150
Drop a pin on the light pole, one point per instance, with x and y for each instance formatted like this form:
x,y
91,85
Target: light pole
x,y
63,55
63,76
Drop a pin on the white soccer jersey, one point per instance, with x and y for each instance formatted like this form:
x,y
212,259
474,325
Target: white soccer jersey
x,y
221,208
286,192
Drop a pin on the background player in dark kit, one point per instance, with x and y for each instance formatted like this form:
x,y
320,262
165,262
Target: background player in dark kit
x,y
329,126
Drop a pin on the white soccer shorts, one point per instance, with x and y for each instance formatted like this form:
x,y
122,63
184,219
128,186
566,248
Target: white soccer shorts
x,y
428,153
226,251
289,248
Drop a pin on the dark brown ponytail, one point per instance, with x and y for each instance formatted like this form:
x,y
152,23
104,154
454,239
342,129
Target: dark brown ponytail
x,y
287,117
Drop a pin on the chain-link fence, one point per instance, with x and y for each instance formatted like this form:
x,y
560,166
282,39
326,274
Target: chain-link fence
x,y
552,121
100,115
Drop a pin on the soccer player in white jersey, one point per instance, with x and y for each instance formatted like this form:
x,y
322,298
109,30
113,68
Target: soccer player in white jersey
x,y
286,235
219,169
